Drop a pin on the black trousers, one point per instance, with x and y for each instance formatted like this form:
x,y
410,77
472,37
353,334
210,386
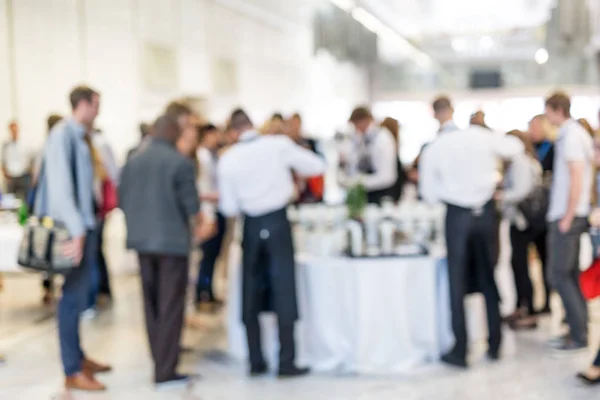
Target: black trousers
x,y
19,186
269,283
164,282
470,232
210,252
520,241
104,277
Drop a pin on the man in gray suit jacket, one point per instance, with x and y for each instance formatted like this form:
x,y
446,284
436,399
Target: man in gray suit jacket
x,y
159,198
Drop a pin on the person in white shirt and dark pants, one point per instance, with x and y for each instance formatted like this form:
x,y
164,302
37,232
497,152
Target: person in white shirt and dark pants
x,y
17,164
208,137
373,160
255,181
459,169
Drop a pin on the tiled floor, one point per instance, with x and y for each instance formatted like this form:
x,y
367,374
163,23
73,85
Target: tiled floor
x,y
28,338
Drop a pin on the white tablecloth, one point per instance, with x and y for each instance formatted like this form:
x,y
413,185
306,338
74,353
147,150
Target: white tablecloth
x,y
358,315
10,240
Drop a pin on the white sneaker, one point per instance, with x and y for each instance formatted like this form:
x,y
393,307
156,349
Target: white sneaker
x,y
89,314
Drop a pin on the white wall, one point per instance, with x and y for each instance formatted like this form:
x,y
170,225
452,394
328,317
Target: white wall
x,y
60,43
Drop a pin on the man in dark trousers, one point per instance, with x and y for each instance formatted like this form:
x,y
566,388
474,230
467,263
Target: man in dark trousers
x,y
458,169
255,182
158,195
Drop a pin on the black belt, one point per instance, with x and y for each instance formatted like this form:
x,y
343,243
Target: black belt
x,y
474,210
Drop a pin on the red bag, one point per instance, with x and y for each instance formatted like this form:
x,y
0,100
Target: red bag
x,y
316,185
109,197
589,281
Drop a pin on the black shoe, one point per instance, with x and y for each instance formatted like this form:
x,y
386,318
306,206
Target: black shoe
x,y
293,372
175,382
494,355
259,370
454,361
569,347
588,381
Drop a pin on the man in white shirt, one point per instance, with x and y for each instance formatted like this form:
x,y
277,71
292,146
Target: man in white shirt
x,y
208,137
374,158
567,216
255,181
459,169
17,164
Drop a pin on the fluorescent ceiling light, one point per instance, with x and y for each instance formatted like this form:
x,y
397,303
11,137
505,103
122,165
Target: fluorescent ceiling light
x,y
368,20
541,56
346,5
384,32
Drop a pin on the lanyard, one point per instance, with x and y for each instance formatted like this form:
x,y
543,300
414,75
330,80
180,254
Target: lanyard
x,y
543,150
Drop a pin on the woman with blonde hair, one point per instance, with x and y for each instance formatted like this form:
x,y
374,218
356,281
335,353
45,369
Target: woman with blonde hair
x,y
522,176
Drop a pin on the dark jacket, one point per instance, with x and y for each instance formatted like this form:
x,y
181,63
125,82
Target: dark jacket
x,y
158,195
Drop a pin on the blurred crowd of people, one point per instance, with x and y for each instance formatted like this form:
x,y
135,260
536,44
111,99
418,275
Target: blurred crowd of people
x,y
187,177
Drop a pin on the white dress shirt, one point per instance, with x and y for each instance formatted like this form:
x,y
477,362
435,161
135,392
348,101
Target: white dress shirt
x,y
16,159
379,144
460,167
255,175
207,179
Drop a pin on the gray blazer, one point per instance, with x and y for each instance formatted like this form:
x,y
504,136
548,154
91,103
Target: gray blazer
x,y
158,195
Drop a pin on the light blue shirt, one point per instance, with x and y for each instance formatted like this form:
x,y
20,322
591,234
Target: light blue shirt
x,y
55,197
573,144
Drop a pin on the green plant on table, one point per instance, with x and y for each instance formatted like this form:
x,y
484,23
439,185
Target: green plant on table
x,y
356,201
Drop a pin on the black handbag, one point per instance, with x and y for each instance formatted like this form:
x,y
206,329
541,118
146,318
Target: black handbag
x,y
535,207
44,238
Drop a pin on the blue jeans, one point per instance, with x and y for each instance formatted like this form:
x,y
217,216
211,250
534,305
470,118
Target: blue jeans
x,y
94,280
75,293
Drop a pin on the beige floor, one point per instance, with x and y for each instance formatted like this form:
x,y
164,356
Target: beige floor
x,y
28,338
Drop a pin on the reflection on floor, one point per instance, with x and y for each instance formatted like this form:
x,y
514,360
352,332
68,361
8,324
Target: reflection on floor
x,y
28,338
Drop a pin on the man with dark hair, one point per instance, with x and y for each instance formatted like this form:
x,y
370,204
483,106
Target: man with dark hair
x,y
17,163
458,169
208,139
374,159
82,93
65,193
180,112
159,230
570,198
255,181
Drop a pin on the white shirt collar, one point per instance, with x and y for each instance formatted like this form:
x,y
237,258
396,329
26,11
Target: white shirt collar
x,y
248,135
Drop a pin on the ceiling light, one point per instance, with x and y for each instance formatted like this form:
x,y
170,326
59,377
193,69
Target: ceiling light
x,y
368,20
459,44
541,56
346,5
486,42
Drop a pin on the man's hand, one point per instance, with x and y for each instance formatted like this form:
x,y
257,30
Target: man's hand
x,y
73,249
565,224
206,230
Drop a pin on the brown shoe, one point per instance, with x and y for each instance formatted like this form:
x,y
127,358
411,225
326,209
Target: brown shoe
x,y
93,367
84,382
